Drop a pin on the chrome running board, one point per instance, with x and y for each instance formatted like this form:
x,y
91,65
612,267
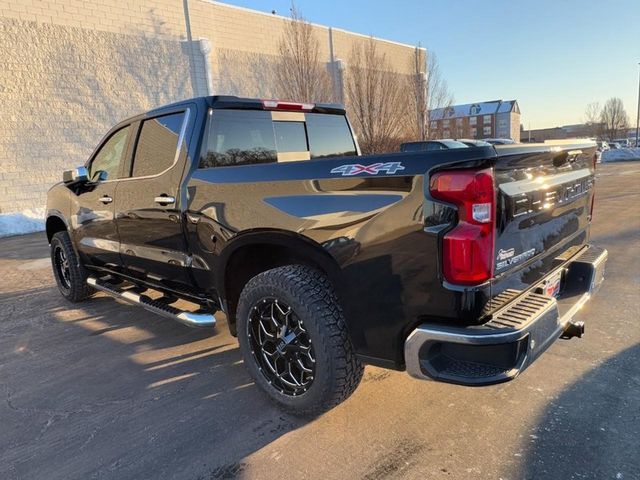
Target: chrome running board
x,y
192,319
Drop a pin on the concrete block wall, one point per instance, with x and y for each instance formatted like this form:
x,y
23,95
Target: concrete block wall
x,y
70,69
62,88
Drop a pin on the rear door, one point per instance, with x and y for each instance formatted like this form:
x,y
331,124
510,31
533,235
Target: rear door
x,y
544,199
94,226
148,215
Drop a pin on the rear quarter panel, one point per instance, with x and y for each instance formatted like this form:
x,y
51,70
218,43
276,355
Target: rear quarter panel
x,y
371,224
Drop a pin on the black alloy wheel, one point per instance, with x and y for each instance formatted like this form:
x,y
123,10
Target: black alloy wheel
x,y
70,274
61,264
294,340
281,346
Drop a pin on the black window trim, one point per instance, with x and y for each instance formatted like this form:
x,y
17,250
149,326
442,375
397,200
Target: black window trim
x,y
181,137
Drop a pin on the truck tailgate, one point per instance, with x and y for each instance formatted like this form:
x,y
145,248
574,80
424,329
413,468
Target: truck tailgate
x,y
543,210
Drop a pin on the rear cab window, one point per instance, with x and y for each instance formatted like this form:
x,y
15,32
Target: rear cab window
x,y
246,137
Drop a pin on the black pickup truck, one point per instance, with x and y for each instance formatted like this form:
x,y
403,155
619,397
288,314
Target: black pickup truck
x,y
458,265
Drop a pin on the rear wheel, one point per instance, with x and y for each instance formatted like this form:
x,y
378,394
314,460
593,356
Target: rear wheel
x,y
70,275
294,341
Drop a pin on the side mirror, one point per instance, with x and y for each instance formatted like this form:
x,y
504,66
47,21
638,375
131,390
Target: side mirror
x,y
76,175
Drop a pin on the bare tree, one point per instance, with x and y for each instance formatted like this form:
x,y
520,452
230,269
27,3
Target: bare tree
x,y
592,119
376,97
299,73
614,118
438,93
247,74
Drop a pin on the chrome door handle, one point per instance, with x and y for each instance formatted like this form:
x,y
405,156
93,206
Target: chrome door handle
x,y
165,200
106,199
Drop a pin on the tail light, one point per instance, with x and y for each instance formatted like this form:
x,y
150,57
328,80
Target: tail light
x,y
468,249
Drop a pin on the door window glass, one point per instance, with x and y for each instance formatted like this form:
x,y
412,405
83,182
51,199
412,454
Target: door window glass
x,y
106,163
157,144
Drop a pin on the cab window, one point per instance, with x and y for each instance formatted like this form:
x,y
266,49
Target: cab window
x,y
239,137
245,137
157,144
106,163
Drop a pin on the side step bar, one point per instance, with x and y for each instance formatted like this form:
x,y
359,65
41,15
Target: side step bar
x,y
192,319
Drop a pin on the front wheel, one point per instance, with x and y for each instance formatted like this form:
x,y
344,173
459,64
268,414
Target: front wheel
x,y
70,275
293,337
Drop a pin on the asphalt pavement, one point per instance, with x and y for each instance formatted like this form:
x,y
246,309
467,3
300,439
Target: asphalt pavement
x,y
106,390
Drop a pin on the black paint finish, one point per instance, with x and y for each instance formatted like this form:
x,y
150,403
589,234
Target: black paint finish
x,y
377,236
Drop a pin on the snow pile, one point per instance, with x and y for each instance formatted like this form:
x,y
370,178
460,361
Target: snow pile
x,y
621,154
19,223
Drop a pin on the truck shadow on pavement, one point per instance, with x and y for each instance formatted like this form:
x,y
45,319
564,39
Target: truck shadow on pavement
x,y
105,388
588,431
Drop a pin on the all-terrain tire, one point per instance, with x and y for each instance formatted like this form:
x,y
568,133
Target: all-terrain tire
x,y
311,296
72,285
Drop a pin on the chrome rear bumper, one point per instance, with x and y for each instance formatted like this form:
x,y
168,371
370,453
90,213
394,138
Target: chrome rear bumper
x,y
516,335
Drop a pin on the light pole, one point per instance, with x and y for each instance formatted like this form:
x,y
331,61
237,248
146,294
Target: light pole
x,y
638,114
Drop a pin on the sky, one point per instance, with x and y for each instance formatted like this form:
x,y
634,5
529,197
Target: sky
x,y
553,56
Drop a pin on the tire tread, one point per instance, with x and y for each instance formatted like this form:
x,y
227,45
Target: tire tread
x,y
80,290
316,290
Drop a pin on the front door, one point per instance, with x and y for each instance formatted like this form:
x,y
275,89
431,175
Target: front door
x,y
92,209
148,214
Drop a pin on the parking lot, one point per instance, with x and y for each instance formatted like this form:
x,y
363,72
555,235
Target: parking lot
x,y
106,390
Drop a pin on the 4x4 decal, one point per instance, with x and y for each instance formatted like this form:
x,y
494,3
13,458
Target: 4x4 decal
x,y
373,169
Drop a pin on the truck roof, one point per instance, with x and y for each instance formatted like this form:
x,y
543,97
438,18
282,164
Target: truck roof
x,y
233,102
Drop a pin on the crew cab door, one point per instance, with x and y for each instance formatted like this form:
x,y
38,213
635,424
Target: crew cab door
x,y
148,213
94,227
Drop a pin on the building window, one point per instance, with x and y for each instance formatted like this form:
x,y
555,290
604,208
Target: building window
x,y
475,109
445,123
486,130
474,132
445,133
502,123
486,119
434,125
473,120
459,122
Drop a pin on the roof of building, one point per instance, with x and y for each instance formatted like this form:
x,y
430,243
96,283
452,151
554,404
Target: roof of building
x,y
480,108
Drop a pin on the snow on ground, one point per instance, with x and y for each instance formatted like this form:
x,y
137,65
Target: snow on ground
x,y
19,223
621,154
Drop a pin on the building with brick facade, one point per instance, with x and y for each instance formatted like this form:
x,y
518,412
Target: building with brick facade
x,y
494,119
70,69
